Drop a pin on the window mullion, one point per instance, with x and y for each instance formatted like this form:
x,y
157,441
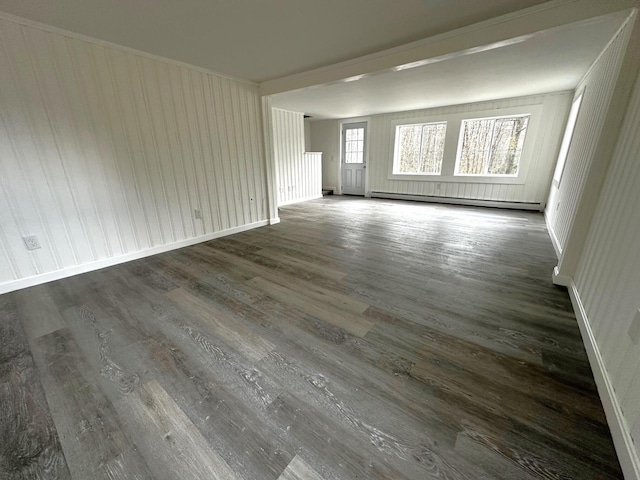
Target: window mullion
x,y
490,149
420,151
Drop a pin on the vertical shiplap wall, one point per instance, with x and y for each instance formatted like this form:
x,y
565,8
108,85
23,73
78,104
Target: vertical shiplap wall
x,y
297,178
608,274
598,87
105,153
312,174
536,185
325,137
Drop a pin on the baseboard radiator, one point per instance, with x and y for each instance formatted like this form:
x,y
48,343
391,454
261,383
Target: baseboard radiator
x,y
460,201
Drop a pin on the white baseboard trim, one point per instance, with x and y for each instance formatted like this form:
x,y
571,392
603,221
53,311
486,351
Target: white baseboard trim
x,y
108,262
298,200
458,201
620,433
274,221
552,235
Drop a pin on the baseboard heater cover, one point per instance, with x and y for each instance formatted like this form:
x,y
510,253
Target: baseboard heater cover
x,y
460,201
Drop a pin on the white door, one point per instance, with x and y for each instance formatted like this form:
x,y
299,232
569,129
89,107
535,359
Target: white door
x,y
353,158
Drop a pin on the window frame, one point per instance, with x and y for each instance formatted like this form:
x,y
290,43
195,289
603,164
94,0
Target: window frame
x,y
396,149
454,124
461,138
567,137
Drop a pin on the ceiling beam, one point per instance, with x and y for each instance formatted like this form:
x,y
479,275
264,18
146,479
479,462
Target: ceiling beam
x,y
494,32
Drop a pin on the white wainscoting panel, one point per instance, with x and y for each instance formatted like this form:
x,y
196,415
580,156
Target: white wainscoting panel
x,y
608,274
312,175
298,175
105,153
598,86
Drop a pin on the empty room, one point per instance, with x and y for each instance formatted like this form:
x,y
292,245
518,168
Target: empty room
x,y
318,240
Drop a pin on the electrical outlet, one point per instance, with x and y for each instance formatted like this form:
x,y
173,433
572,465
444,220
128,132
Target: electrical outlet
x,y
634,329
31,242
197,213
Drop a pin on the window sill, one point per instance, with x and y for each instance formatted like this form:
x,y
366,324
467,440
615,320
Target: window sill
x,y
519,180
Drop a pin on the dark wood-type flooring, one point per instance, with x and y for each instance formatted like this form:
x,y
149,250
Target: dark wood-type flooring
x,y
358,339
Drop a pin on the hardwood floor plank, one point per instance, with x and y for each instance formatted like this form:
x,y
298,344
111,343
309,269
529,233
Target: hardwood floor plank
x,y
238,374
350,323
310,267
171,443
245,341
493,461
248,270
320,294
298,469
358,338
29,443
38,311
199,393
91,431
252,446
259,264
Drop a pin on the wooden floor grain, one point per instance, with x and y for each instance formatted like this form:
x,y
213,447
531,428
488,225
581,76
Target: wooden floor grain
x,y
357,339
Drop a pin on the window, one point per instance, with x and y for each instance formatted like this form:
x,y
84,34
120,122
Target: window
x,y
566,140
419,148
491,146
354,145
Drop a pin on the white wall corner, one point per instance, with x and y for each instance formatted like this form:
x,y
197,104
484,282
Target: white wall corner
x,y
559,279
269,158
620,432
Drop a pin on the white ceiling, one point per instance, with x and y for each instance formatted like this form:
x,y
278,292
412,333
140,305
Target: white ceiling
x,y
549,61
261,39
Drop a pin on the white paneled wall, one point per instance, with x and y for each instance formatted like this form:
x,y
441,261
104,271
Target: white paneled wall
x,y
298,176
598,86
536,185
608,274
106,154
312,172
325,138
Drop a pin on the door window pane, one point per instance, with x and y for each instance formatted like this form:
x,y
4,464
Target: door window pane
x,y
354,145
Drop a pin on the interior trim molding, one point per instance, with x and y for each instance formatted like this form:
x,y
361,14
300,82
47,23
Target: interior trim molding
x,y
554,239
528,21
458,201
617,424
108,262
